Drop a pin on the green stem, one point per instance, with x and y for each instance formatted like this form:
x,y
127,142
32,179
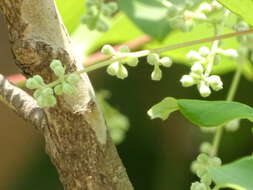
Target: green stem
x,y
144,53
218,28
230,97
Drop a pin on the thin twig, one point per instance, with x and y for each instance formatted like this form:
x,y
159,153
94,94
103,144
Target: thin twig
x,y
22,103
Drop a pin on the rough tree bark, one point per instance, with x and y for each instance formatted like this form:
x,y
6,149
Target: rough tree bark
x,y
76,137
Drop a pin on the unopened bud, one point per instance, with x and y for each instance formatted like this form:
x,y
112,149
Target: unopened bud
x,y
166,62
204,89
197,68
187,81
215,82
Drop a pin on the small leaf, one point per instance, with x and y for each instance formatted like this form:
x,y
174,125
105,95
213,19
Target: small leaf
x,y
236,175
213,113
149,15
163,109
241,8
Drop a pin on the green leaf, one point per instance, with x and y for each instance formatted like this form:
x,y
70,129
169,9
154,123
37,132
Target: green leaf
x,y
202,113
163,109
148,15
242,8
236,175
213,113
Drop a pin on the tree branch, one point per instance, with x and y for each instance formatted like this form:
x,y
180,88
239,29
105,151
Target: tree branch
x,y
22,103
76,136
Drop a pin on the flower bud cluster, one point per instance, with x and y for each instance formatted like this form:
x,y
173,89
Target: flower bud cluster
x,y
187,21
117,68
198,75
200,168
45,93
98,14
154,60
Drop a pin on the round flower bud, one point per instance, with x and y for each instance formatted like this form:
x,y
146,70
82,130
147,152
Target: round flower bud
x,y
59,71
205,147
203,158
204,90
47,92
42,102
58,90
153,59
108,50
124,49
198,186
205,7
102,26
215,82
156,75
216,4
215,161
194,55
201,171
200,16
231,53
113,69
39,79
194,166
55,63
73,78
206,179
187,81
122,73
37,93
166,62
51,101
32,84
233,125
197,68
68,89
133,62
204,51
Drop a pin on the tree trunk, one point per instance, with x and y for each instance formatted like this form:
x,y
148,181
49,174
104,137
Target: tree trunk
x,y
76,136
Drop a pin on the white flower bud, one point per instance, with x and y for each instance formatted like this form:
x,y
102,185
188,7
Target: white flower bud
x,y
204,89
204,51
233,125
187,81
153,59
198,186
133,62
206,179
216,5
197,68
205,7
166,62
215,82
122,73
231,53
194,55
205,147
108,50
156,75
113,69
200,16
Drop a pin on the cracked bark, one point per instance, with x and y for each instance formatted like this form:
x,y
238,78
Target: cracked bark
x,y
76,137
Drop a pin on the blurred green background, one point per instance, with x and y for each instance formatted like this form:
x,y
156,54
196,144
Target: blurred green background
x,y
157,154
